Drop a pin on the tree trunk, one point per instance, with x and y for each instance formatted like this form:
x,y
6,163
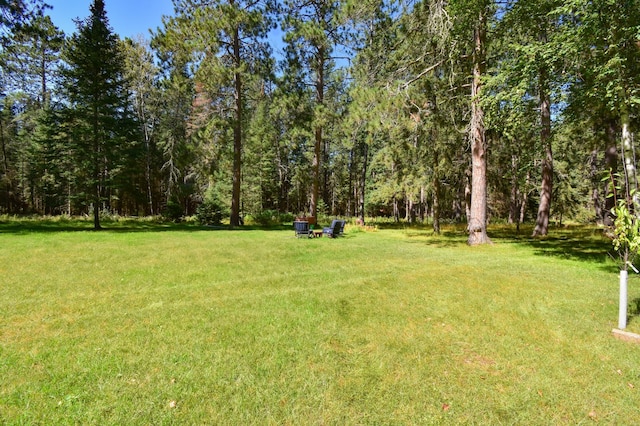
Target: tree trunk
x,y
467,195
513,208
353,194
237,134
611,163
411,210
147,175
315,169
283,194
5,160
96,172
327,195
524,200
436,194
396,210
478,211
436,205
595,190
68,200
631,183
544,209
363,185
317,151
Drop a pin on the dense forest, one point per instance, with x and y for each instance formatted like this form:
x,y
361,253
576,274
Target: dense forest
x,y
437,110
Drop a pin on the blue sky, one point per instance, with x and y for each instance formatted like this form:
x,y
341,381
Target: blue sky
x,y
128,18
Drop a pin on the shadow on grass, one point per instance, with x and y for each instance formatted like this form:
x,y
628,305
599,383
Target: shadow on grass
x,y
29,226
451,235
581,243
633,314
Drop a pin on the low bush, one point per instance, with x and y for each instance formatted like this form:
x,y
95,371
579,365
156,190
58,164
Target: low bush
x,y
173,212
268,218
210,212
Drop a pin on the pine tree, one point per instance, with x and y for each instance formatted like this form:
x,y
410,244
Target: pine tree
x,y
313,32
226,45
98,105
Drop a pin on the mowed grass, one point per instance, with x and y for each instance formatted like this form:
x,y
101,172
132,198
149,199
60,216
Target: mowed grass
x,y
182,325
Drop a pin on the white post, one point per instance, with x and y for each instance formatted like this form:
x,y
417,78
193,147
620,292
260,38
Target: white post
x,y
622,312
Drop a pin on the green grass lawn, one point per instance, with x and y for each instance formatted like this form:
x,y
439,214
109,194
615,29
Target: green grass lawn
x,y
148,324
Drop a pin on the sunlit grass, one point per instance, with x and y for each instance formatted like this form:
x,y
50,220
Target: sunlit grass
x,y
144,325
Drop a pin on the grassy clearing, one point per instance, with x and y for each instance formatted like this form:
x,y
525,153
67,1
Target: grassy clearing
x,y
179,325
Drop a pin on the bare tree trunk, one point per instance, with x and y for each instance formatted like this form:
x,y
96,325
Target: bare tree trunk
x,y
5,160
594,171
513,209
546,190
361,209
467,195
629,158
544,209
411,210
283,185
147,175
436,205
96,172
611,163
436,194
237,134
524,200
317,152
396,209
68,198
327,196
478,211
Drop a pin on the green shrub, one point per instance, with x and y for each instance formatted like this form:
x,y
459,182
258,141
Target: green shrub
x,y
286,217
173,211
210,212
268,218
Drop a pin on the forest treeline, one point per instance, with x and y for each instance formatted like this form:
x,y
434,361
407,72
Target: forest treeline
x,y
434,110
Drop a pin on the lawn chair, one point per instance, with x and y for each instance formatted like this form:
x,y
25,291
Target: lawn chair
x,y
302,228
335,229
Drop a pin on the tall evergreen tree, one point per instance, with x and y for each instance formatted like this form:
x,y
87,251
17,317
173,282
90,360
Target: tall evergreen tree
x,y
313,31
226,39
98,107
29,51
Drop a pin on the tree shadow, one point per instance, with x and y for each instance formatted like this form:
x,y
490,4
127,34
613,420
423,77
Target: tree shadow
x,y
45,226
580,243
633,312
446,238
